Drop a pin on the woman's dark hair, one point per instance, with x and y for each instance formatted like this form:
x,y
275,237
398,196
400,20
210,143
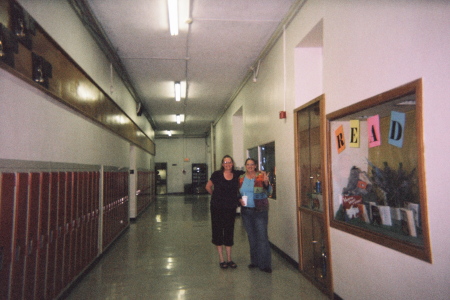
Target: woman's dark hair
x,y
221,165
254,161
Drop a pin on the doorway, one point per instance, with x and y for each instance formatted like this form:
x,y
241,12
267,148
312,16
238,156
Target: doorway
x,y
161,178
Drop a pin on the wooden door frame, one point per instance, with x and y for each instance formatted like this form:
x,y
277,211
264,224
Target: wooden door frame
x,y
324,175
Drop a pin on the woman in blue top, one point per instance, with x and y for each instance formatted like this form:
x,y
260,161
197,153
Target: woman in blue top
x,y
223,186
255,215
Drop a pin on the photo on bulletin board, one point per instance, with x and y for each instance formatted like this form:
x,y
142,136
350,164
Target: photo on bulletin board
x,y
377,180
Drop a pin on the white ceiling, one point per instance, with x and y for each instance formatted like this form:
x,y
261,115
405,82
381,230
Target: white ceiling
x,y
213,54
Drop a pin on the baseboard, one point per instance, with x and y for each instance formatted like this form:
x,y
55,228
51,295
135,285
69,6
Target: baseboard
x,y
284,255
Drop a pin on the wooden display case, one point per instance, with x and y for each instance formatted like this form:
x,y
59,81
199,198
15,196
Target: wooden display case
x,y
313,236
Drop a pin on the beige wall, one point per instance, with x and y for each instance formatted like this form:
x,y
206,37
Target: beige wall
x,y
368,47
36,127
173,152
80,46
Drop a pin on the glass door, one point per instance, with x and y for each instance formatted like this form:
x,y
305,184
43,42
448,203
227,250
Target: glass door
x,y
311,198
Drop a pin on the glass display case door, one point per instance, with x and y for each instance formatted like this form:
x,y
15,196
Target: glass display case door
x,y
313,222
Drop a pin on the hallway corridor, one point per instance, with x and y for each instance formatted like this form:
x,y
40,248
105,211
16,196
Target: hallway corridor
x,y
167,254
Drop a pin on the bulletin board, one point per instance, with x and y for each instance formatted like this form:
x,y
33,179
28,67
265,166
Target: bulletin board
x,y
377,179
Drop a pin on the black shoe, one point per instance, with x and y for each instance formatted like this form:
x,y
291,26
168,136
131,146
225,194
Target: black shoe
x,y
252,266
231,264
267,270
223,265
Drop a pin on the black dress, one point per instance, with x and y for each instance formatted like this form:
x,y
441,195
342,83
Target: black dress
x,y
224,201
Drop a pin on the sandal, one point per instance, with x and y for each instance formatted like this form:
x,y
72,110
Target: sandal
x,y
223,265
232,265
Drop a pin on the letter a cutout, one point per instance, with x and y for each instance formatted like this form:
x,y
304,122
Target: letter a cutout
x,y
373,131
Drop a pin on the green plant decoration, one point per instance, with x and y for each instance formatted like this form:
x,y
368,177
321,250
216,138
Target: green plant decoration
x,y
397,185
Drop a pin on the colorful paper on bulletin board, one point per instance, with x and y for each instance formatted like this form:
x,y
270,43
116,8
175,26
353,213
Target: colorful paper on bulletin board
x,y
354,134
397,129
340,139
373,131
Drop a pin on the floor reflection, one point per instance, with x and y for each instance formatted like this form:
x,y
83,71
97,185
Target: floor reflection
x,y
167,254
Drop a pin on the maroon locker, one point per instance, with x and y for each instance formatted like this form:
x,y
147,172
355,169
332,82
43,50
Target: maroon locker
x,y
111,225
42,245
86,209
73,229
105,205
59,275
68,229
121,203
85,189
20,235
117,195
79,241
120,195
7,182
52,234
112,211
90,217
96,212
126,217
95,225
85,218
32,235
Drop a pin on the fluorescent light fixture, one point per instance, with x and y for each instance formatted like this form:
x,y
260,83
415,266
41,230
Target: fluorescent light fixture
x,y
177,91
173,16
406,102
178,117
169,132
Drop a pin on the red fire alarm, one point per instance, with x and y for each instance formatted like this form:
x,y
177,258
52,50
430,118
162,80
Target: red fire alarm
x,y
282,114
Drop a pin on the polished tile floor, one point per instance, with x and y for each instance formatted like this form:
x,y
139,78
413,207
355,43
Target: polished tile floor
x,y
167,254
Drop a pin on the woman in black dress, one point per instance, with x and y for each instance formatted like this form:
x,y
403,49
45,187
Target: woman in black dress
x,y
223,186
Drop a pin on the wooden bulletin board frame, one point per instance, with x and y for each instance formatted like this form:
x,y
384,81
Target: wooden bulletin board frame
x,y
376,172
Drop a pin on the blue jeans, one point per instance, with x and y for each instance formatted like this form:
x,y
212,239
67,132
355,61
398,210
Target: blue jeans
x,y
255,223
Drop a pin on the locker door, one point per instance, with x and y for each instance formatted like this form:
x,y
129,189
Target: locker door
x,y
79,240
32,235
74,227
20,235
62,179
84,223
106,221
52,234
68,229
89,219
96,212
7,182
43,236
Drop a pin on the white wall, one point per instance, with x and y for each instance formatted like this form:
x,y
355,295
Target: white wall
x,y
368,47
139,160
173,152
60,21
35,127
